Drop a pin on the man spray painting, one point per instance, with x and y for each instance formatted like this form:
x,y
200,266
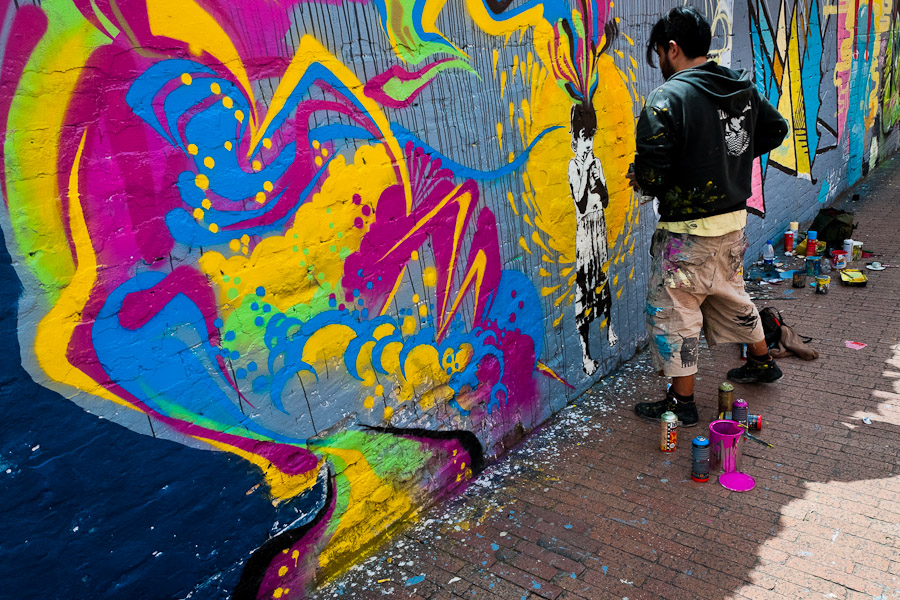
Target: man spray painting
x,y
578,45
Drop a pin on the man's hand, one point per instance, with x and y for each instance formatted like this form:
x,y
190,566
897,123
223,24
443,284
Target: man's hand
x,y
632,181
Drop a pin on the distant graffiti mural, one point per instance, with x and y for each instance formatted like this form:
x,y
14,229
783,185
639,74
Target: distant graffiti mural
x,y
366,264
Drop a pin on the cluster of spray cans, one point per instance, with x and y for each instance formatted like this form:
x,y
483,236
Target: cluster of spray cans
x,y
735,409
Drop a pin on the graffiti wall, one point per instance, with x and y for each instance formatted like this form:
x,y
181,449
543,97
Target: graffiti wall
x,y
278,274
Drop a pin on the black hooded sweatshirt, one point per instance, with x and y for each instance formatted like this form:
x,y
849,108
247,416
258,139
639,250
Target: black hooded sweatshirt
x,y
696,140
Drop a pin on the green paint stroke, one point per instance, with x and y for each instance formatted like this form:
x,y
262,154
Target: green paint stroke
x,y
34,125
401,90
406,41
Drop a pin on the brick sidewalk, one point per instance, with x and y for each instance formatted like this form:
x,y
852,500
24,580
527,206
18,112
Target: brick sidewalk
x,y
589,507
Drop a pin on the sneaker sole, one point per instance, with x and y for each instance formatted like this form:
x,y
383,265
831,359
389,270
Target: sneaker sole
x,y
755,380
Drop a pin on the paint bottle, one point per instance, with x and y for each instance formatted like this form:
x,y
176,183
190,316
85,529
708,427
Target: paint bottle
x,y
726,398
700,459
739,411
848,248
811,243
669,439
754,422
769,257
788,241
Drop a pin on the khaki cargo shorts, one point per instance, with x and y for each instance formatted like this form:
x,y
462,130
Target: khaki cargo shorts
x,y
697,283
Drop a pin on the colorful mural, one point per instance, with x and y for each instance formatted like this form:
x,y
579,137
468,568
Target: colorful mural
x,y
789,65
362,263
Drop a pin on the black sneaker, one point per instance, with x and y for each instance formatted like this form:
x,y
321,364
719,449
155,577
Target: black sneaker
x,y
685,411
756,372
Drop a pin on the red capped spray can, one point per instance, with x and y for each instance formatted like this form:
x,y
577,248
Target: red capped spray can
x,y
669,432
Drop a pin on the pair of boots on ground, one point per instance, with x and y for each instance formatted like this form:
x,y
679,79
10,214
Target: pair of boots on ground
x,y
757,369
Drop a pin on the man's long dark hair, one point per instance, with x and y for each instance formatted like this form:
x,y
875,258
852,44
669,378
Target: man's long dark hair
x,y
686,27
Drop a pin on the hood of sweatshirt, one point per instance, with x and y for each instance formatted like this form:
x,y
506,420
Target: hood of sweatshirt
x,y
731,90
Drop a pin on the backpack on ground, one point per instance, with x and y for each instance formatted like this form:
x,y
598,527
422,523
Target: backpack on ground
x,y
771,323
833,226
781,340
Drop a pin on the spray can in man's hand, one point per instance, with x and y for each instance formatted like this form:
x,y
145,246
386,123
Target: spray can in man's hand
x,y
633,182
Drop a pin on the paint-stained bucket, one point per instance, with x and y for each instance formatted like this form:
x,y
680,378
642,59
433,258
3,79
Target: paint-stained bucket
x,y
822,284
725,445
812,265
799,279
840,258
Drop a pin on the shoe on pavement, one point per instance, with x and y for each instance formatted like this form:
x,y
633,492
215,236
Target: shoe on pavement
x,y
756,372
685,411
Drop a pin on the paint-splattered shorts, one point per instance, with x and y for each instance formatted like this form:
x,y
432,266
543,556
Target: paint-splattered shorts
x,y
697,282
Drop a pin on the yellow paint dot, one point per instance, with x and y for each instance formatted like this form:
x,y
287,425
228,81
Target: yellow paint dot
x,y
324,151
318,161
214,228
208,162
239,115
214,88
186,78
198,213
267,142
430,276
201,181
414,255
379,390
260,197
193,149
268,186
415,297
295,554
256,165
369,402
245,239
234,245
388,412
316,144
227,102
228,145
409,325
282,571
206,203
423,310
277,593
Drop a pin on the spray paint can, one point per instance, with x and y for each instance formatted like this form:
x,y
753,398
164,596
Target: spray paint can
x,y
811,243
739,411
669,432
754,422
788,241
700,459
726,398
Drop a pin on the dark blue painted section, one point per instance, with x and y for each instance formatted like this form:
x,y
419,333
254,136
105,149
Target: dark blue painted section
x,y
128,494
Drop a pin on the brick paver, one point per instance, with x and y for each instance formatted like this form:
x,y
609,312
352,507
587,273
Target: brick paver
x,y
588,507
